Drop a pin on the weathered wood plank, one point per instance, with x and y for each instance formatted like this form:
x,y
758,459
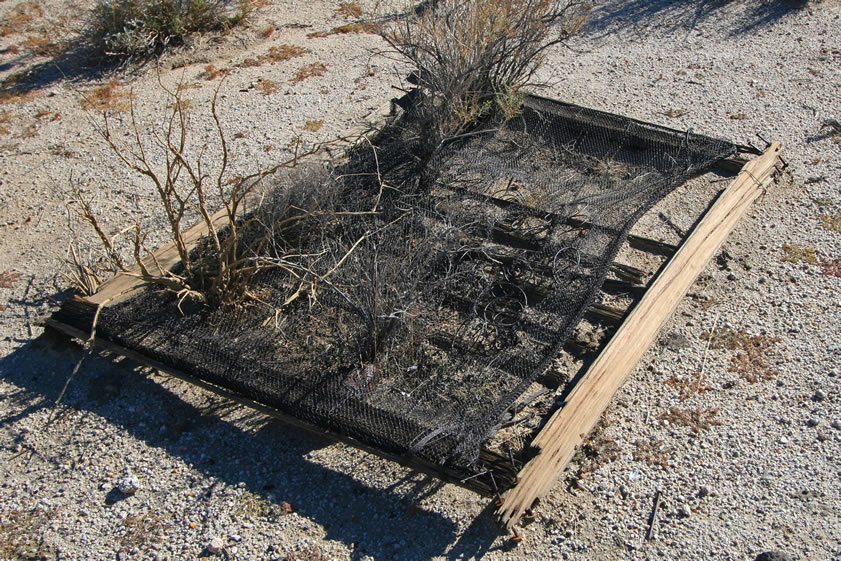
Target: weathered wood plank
x,y
556,443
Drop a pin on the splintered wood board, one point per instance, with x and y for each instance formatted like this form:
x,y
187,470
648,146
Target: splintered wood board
x,y
569,425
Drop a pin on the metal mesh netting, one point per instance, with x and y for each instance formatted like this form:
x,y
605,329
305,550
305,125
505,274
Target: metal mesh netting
x,y
408,303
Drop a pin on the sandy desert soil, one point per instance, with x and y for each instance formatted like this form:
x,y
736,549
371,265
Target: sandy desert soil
x,y
764,473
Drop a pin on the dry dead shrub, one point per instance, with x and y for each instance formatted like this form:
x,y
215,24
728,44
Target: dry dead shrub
x,y
184,186
472,56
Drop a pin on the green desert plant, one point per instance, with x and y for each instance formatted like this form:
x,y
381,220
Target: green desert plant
x,y
138,28
473,57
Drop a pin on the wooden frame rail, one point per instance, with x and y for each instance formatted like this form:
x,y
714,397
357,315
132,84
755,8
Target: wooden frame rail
x,y
569,425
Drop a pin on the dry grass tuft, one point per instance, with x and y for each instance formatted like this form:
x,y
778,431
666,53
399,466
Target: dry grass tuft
x,y
110,97
597,450
687,386
143,531
831,222
22,534
831,267
211,72
795,254
309,71
751,359
313,126
282,53
653,452
698,419
21,17
9,278
267,87
351,9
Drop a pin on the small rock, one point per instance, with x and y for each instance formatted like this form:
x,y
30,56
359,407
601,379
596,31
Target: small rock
x,y
685,511
812,422
731,277
819,396
703,492
215,545
129,484
235,537
774,556
836,424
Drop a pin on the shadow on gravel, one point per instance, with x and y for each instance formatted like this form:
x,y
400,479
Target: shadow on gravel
x,y
78,62
637,16
266,457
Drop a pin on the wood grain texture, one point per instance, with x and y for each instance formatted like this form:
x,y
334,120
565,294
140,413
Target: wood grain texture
x,y
571,423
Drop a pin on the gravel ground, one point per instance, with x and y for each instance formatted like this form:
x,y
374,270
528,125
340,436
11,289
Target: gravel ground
x,y
741,437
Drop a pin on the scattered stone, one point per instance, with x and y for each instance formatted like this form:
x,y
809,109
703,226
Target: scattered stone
x,y
686,511
812,422
215,545
819,396
129,484
836,424
774,556
676,341
235,537
731,277
703,492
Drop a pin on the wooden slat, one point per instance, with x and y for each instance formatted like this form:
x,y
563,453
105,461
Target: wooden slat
x,y
556,443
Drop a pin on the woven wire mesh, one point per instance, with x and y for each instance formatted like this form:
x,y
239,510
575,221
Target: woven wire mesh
x,y
408,303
